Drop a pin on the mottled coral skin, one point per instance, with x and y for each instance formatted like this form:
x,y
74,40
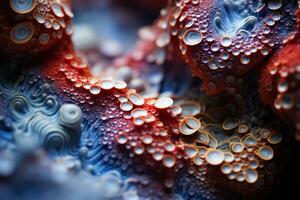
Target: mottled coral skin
x,y
253,48
10,19
283,67
102,110
103,121
98,105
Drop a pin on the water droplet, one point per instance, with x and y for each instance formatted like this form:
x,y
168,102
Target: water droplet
x,y
237,147
245,60
230,123
22,33
215,47
40,18
147,139
126,106
226,168
157,156
139,149
274,4
282,86
190,151
197,161
44,38
210,38
190,108
212,64
169,161
120,85
192,37
250,140
214,157
22,6
169,183
177,110
136,99
243,128
270,21
251,175
95,89
276,16
240,177
226,41
122,98
139,112
253,164
149,118
265,153
163,40
55,25
169,147
121,139
106,84
224,56
57,10
275,138
138,121
236,167
189,125
163,103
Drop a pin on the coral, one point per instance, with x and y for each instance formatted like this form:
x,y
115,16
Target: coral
x,y
224,39
31,26
214,133
63,176
141,128
279,83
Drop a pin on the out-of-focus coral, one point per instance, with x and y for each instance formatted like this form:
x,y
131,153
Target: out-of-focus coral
x,y
59,178
279,84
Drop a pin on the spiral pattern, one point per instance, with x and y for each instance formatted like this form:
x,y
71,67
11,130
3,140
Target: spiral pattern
x,y
39,122
21,33
22,6
56,139
39,129
19,106
221,39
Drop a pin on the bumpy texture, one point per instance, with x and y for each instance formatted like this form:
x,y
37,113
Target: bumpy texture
x,y
31,26
224,39
74,135
280,83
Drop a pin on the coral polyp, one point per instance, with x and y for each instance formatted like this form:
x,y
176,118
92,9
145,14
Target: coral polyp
x,y
40,26
221,39
203,105
280,83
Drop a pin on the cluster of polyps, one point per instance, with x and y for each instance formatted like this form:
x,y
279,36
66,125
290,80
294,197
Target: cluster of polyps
x,y
280,82
220,39
35,25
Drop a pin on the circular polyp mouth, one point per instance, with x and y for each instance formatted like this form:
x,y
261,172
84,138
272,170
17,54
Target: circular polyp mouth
x,y
22,6
21,33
